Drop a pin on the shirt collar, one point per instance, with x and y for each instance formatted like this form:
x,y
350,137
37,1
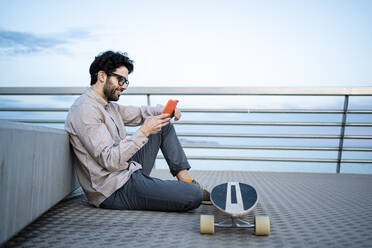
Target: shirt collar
x,y
94,95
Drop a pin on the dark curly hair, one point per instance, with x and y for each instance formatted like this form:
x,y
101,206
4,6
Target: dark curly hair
x,y
108,62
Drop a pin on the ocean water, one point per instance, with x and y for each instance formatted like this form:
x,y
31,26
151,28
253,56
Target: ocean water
x,y
246,103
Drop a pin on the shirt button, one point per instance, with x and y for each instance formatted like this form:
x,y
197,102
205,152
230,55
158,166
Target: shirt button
x,y
143,142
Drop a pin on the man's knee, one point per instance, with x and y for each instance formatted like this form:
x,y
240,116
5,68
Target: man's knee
x,y
167,128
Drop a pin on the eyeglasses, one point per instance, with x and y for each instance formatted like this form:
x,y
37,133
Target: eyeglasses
x,y
121,80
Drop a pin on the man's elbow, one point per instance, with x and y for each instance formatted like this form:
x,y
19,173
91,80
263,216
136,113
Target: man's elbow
x,y
109,162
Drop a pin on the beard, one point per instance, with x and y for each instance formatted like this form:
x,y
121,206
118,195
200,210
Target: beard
x,y
110,91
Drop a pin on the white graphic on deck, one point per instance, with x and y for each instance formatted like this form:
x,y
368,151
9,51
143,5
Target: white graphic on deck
x,y
234,208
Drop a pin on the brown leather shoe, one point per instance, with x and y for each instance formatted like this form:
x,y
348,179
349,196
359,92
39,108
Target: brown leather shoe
x,y
206,194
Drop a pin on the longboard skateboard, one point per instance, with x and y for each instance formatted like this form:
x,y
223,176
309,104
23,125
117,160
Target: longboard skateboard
x,y
236,200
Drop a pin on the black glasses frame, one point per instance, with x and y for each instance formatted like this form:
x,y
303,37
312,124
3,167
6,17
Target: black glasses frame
x,y
121,80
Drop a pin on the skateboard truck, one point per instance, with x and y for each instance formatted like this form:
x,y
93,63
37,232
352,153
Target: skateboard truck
x,y
234,222
261,224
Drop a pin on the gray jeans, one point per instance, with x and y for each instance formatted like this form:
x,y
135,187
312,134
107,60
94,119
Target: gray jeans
x,y
143,192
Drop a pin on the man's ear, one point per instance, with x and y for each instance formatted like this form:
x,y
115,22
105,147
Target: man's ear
x,y
101,77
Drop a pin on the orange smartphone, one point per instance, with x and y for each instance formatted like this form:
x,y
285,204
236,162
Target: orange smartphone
x,y
170,107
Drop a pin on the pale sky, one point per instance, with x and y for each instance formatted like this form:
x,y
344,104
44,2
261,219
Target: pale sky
x,y
263,43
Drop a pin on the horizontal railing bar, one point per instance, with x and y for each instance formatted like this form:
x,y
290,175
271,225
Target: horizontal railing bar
x,y
222,134
362,91
325,124
35,109
359,124
276,111
37,121
355,149
272,111
272,159
359,112
42,90
276,148
269,111
270,136
350,161
270,123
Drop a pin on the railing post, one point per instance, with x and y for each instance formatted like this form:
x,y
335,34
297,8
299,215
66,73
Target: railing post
x,y
342,134
148,100
149,104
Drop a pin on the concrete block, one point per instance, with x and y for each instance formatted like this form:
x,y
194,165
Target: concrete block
x,y
36,172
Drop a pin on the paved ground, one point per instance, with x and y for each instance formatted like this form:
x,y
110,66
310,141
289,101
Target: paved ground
x,y
306,210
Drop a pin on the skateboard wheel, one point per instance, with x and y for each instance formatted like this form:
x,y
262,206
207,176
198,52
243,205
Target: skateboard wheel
x,y
206,224
262,225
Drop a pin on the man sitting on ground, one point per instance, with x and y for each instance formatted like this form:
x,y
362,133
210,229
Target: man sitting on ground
x,y
114,169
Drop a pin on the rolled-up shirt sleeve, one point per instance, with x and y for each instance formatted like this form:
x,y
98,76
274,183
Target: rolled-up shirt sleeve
x,y
88,126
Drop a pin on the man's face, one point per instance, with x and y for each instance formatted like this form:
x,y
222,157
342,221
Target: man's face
x,y
112,89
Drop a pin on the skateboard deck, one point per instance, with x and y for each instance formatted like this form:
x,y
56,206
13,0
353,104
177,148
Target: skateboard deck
x,y
234,199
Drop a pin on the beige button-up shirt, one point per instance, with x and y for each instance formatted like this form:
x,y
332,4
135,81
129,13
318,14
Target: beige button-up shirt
x,y
100,143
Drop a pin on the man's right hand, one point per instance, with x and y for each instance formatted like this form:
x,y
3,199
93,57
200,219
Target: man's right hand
x,y
153,124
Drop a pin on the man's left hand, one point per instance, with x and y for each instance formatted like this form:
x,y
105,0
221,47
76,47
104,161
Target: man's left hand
x,y
177,114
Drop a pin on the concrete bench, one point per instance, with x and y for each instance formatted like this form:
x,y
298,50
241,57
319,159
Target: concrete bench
x,y
36,172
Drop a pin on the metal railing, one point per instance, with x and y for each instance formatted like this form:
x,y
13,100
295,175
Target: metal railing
x,y
238,91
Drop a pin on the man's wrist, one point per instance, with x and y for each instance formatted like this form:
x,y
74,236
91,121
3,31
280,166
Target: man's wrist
x,y
144,132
